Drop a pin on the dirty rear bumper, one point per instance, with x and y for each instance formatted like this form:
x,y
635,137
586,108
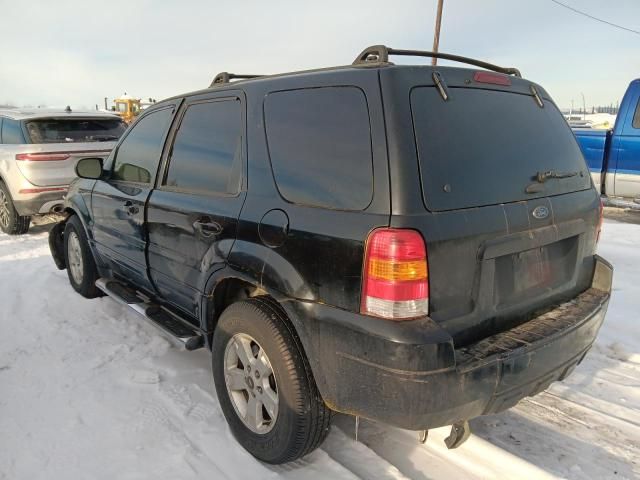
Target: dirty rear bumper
x,y
40,203
410,375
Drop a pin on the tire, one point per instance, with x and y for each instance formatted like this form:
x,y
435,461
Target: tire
x,y
81,267
302,421
11,222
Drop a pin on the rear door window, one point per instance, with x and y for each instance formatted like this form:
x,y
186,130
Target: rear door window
x,y
12,132
320,146
485,147
139,153
207,150
69,130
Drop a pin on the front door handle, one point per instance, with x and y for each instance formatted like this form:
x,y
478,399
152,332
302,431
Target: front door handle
x,y
207,228
129,208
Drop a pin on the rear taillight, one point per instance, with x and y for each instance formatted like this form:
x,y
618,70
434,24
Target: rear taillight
x,y
600,220
42,190
395,277
42,157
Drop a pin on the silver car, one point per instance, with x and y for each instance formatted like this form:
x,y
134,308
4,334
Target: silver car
x,y
38,152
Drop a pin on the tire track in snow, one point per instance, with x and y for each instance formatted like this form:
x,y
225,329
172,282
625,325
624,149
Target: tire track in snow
x,y
359,458
618,414
475,459
196,410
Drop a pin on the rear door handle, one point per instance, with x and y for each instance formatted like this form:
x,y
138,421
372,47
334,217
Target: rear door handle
x,y
130,208
207,228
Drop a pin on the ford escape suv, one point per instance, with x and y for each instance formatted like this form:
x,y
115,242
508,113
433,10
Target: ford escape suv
x,y
38,152
410,244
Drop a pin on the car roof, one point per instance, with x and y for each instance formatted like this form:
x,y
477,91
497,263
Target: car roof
x,y
35,113
242,83
261,78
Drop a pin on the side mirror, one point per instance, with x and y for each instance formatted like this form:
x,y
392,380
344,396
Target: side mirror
x,y
90,168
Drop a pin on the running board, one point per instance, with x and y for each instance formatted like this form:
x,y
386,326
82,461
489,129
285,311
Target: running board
x,y
620,203
181,332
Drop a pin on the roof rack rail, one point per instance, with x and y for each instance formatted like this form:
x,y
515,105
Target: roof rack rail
x,y
380,54
226,77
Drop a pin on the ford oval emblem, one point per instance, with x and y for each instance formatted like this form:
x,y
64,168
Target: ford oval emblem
x,y
540,212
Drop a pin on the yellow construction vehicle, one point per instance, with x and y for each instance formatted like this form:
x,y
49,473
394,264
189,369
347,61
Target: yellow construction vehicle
x,y
127,107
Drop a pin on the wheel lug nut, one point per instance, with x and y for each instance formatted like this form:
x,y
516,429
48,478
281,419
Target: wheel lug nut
x,y
257,374
249,368
260,390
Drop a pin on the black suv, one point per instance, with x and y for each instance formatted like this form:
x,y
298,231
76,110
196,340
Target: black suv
x,y
409,244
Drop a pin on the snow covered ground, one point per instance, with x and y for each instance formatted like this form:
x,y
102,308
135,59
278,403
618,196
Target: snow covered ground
x,y
90,391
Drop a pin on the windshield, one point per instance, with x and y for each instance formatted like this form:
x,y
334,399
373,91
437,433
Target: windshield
x,y
65,130
484,147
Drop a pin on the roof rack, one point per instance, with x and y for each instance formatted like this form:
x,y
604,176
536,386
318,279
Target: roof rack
x,y
226,77
380,54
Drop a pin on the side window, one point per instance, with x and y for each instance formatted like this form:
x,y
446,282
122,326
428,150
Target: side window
x,y
1,130
12,132
320,146
636,117
207,150
139,153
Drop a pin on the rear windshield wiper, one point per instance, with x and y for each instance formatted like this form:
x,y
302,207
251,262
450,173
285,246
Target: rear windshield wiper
x,y
103,138
542,177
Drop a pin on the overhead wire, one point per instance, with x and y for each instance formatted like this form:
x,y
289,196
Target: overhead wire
x,y
580,12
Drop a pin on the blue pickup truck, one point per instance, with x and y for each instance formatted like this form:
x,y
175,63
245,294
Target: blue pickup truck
x,y
613,156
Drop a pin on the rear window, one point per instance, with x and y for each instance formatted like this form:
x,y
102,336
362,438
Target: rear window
x,y
320,146
68,130
485,147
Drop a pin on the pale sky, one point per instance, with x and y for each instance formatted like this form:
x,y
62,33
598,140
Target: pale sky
x,y
76,52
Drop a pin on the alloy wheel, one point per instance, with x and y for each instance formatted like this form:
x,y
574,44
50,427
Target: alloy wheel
x,y
251,383
5,213
74,255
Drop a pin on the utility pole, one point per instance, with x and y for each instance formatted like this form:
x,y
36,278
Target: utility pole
x,y
436,35
584,107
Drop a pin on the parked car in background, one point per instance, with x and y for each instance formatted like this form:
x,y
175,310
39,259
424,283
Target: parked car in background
x,y
38,153
364,239
613,156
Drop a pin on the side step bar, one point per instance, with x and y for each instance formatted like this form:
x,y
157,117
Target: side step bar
x,y
620,203
178,330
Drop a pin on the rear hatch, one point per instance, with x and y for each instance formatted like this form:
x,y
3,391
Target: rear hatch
x,y
505,237
56,145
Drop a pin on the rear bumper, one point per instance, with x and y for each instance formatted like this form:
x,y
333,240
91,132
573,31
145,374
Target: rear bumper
x,y
40,203
408,374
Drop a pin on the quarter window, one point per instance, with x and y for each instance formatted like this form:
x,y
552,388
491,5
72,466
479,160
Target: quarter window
x,y
207,151
12,132
139,153
320,146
